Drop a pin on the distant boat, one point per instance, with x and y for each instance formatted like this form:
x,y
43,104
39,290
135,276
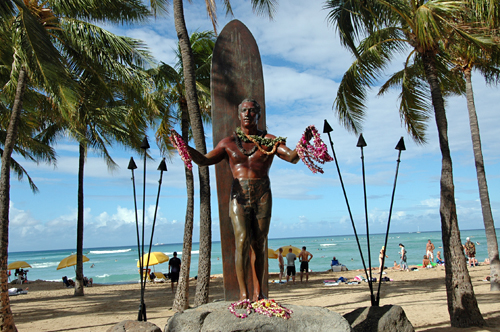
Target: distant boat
x,y
418,231
158,244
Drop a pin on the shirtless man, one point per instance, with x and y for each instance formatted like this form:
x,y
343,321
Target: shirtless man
x,y
429,248
250,159
281,263
304,263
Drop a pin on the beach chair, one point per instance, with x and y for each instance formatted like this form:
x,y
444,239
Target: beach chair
x,y
160,277
146,276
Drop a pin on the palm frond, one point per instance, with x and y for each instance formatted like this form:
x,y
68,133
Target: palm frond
x,y
265,7
116,11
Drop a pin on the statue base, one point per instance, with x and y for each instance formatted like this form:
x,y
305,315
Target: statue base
x,y
216,317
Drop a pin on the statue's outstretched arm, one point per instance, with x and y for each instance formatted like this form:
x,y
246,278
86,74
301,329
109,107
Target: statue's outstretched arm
x,y
211,158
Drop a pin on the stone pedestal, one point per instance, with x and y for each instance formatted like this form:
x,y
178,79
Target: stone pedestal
x,y
216,317
389,318
134,326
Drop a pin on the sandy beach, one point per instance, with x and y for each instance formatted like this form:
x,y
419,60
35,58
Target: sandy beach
x,y
49,306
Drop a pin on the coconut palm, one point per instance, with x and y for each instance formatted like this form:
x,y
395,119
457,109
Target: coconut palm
x,y
112,87
466,57
396,26
36,61
170,82
36,126
42,61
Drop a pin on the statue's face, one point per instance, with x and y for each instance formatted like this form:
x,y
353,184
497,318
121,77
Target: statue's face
x,y
248,114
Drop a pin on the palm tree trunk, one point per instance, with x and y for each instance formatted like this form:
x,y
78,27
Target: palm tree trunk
x,y
202,285
6,318
489,225
462,303
181,301
79,227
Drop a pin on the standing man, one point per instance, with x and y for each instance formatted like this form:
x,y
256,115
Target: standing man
x,y
470,251
429,247
290,265
281,262
403,265
250,153
174,267
304,263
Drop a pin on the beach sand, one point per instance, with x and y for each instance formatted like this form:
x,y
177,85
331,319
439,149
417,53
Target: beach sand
x,y
49,306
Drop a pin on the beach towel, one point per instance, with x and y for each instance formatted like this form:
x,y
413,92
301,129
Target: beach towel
x,y
17,291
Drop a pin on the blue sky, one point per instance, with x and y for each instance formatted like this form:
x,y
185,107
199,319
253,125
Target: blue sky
x,y
303,63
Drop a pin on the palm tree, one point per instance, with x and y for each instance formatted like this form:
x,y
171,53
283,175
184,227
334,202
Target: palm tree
x,y
36,61
170,82
112,87
42,59
467,57
393,26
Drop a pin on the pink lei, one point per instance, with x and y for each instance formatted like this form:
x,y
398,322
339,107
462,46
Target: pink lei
x,y
309,153
264,307
179,144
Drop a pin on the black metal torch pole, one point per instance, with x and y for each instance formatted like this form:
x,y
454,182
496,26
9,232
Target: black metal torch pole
x,y
401,147
361,144
142,308
328,129
161,168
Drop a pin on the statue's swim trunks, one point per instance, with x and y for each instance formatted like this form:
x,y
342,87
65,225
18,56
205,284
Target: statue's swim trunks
x,y
252,197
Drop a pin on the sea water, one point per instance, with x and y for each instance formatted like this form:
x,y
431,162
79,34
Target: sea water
x,y
119,264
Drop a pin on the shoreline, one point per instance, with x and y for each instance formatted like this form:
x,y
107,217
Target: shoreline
x,y
49,306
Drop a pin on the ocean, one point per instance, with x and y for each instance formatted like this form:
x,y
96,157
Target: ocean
x,y
114,265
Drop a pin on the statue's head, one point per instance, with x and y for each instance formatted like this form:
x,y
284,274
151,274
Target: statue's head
x,y
249,104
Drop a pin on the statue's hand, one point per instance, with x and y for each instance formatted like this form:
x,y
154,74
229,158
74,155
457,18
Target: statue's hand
x,y
308,134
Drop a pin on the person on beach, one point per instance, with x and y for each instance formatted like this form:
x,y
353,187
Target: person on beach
x,y
174,267
250,153
426,263
402,263
439,260
281,262
396,266
335,261
381,258
290,265
304,263
470,252
429,248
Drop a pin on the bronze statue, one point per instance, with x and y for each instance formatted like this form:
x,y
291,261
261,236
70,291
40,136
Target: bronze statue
x,y
250,153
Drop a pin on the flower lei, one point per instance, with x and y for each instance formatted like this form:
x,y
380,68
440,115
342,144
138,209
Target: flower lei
x,y
264,307
309,153
179,144
269,142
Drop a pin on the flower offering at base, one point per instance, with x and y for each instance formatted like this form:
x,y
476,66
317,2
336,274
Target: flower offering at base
x,y
264,307
179,144
309,153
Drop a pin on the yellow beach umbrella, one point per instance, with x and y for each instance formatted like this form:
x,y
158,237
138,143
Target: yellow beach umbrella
x,y
271,253
295,250
155,258
18,265
70,261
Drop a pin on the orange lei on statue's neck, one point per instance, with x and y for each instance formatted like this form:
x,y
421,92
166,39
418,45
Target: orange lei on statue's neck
x,y
260,148
258,141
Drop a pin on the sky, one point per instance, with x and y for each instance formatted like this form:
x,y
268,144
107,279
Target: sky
x,y
303,64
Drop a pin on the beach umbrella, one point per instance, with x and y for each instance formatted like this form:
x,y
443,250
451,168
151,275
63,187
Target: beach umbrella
x,y
295,250
271,253
18,265
70,261
155,258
